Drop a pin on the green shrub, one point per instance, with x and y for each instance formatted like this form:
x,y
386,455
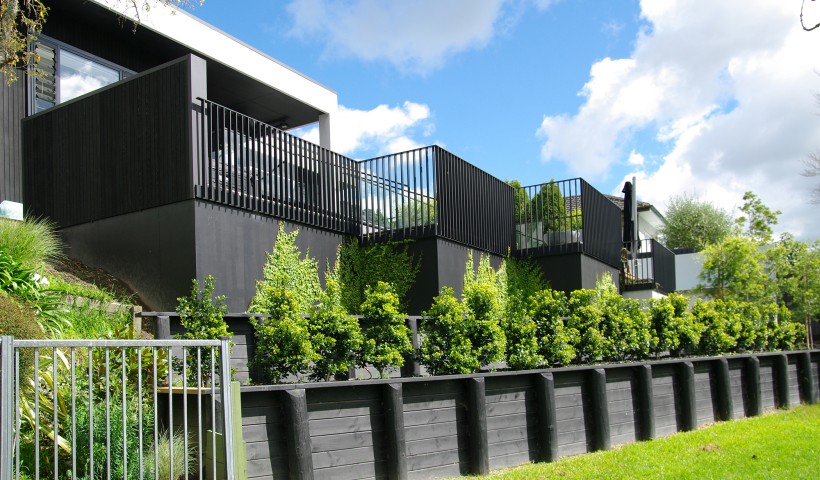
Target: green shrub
x,y
202,316
285,270
556,341
782,332
386,337
363,266
483,308
518,281
672,326
445,347
716,322
283,345
585,318
335,335
31,242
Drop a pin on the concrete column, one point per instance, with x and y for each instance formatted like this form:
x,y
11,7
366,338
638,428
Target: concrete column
x,y
324,131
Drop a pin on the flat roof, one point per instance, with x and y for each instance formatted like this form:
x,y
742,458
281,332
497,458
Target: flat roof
x,y
208,41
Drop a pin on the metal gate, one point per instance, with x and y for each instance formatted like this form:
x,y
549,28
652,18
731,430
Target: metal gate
x,y
129,409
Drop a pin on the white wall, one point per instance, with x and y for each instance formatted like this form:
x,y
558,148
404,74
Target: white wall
x,y
687,269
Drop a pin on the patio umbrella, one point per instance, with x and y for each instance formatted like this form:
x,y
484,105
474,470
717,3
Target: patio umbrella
x,y
629,222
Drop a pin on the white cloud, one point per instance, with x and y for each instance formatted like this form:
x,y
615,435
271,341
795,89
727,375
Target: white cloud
x,y
413,36
727,90
635,158
379,131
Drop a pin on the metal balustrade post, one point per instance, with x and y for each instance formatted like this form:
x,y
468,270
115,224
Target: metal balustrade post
x,y
7,406
227,406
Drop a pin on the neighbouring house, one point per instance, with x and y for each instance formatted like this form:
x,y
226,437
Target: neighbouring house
x,y
163,155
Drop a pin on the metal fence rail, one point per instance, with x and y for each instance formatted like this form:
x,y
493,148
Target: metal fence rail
x,y
248,164
653,268
131,409
566,216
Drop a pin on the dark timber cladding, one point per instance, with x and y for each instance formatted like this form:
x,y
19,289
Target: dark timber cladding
x,y
452,425
121,149
13,105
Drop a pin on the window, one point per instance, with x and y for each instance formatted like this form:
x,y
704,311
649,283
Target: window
x,y
69,73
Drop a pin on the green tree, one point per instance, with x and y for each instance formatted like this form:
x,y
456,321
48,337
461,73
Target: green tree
x,y
283,346
691,223
518,280
386,337
549,203
202,315
284,269
483,298
734,270
757,219
521,202
22,20
796,267
336,336
556,340
446,347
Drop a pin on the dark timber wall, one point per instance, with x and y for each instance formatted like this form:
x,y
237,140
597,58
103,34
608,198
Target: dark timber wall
x,y
573,271
446,426
121,149
12,111
231,244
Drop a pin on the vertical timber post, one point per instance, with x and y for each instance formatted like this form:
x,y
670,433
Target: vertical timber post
x,y
753,393
411,366
394,425
300,459
724,390
646,402
239,453
226,390
479,450
600,409
7,406
547,423
688,407
808,390
781,374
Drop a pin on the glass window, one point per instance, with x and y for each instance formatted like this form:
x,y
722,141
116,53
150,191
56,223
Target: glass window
x,y
79,75
69,73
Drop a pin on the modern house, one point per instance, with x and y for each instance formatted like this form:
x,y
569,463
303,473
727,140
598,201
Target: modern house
x,y
163,155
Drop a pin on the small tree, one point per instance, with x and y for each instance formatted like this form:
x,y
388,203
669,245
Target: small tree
x,y
518,280
386,337
757,220
483,301
284,269
691,223
283,345
335,335
202,316
446,348
733,270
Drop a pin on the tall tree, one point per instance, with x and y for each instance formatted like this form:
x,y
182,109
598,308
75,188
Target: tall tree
x,y
691,223
733,269
757,219
22,20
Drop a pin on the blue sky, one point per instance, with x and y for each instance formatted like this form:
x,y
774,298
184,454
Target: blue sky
x,y
693,97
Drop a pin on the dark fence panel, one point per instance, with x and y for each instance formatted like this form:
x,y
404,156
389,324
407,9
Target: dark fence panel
x,y
121,149
567,216
12,111
248,164
350,433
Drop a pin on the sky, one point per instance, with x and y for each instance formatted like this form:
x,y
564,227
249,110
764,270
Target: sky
x,y
703,98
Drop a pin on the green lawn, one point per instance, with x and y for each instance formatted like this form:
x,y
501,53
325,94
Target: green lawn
x,y
780,445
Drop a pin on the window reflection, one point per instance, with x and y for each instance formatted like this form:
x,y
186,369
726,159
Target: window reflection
x,y
80,75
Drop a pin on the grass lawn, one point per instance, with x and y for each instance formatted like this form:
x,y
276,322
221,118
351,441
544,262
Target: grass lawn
x,y
779,445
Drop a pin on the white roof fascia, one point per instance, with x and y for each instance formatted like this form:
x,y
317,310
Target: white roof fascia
x,y
188,30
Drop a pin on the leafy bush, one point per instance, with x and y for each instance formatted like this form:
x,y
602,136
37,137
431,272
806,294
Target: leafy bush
x,y
445,347
782,333
362,266
556,341
715,320
518,281
585,318
202,316
285,270
386,337
336,336
282,340
483,308
31,242
673,328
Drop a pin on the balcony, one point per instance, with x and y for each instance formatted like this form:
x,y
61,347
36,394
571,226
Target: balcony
x,y
566,216
653,268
